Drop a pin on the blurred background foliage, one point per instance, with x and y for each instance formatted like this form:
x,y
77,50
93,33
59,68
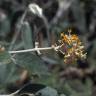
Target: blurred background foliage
x,y
48,68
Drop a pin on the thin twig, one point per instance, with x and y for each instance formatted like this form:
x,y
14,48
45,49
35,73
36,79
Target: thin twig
x,y
36,49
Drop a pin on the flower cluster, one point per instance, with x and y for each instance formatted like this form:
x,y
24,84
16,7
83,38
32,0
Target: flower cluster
x,y
72,47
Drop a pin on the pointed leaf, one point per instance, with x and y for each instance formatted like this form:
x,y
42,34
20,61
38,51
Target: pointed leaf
x,y
27,35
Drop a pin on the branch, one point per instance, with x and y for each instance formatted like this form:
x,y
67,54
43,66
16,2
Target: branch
x,y
36,49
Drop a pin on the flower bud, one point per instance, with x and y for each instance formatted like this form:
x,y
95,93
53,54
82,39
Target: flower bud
x,y
35,9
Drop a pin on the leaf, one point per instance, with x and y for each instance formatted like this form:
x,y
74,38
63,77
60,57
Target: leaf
x,y
32,63
4,57
7,69
4,27
48,91
27,35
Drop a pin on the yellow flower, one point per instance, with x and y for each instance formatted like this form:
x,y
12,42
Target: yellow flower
x,y
70,38
75,49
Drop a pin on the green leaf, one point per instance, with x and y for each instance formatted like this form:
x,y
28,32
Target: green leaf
x,y
7,69
32,63
4,57
4,27
48,91
27,35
